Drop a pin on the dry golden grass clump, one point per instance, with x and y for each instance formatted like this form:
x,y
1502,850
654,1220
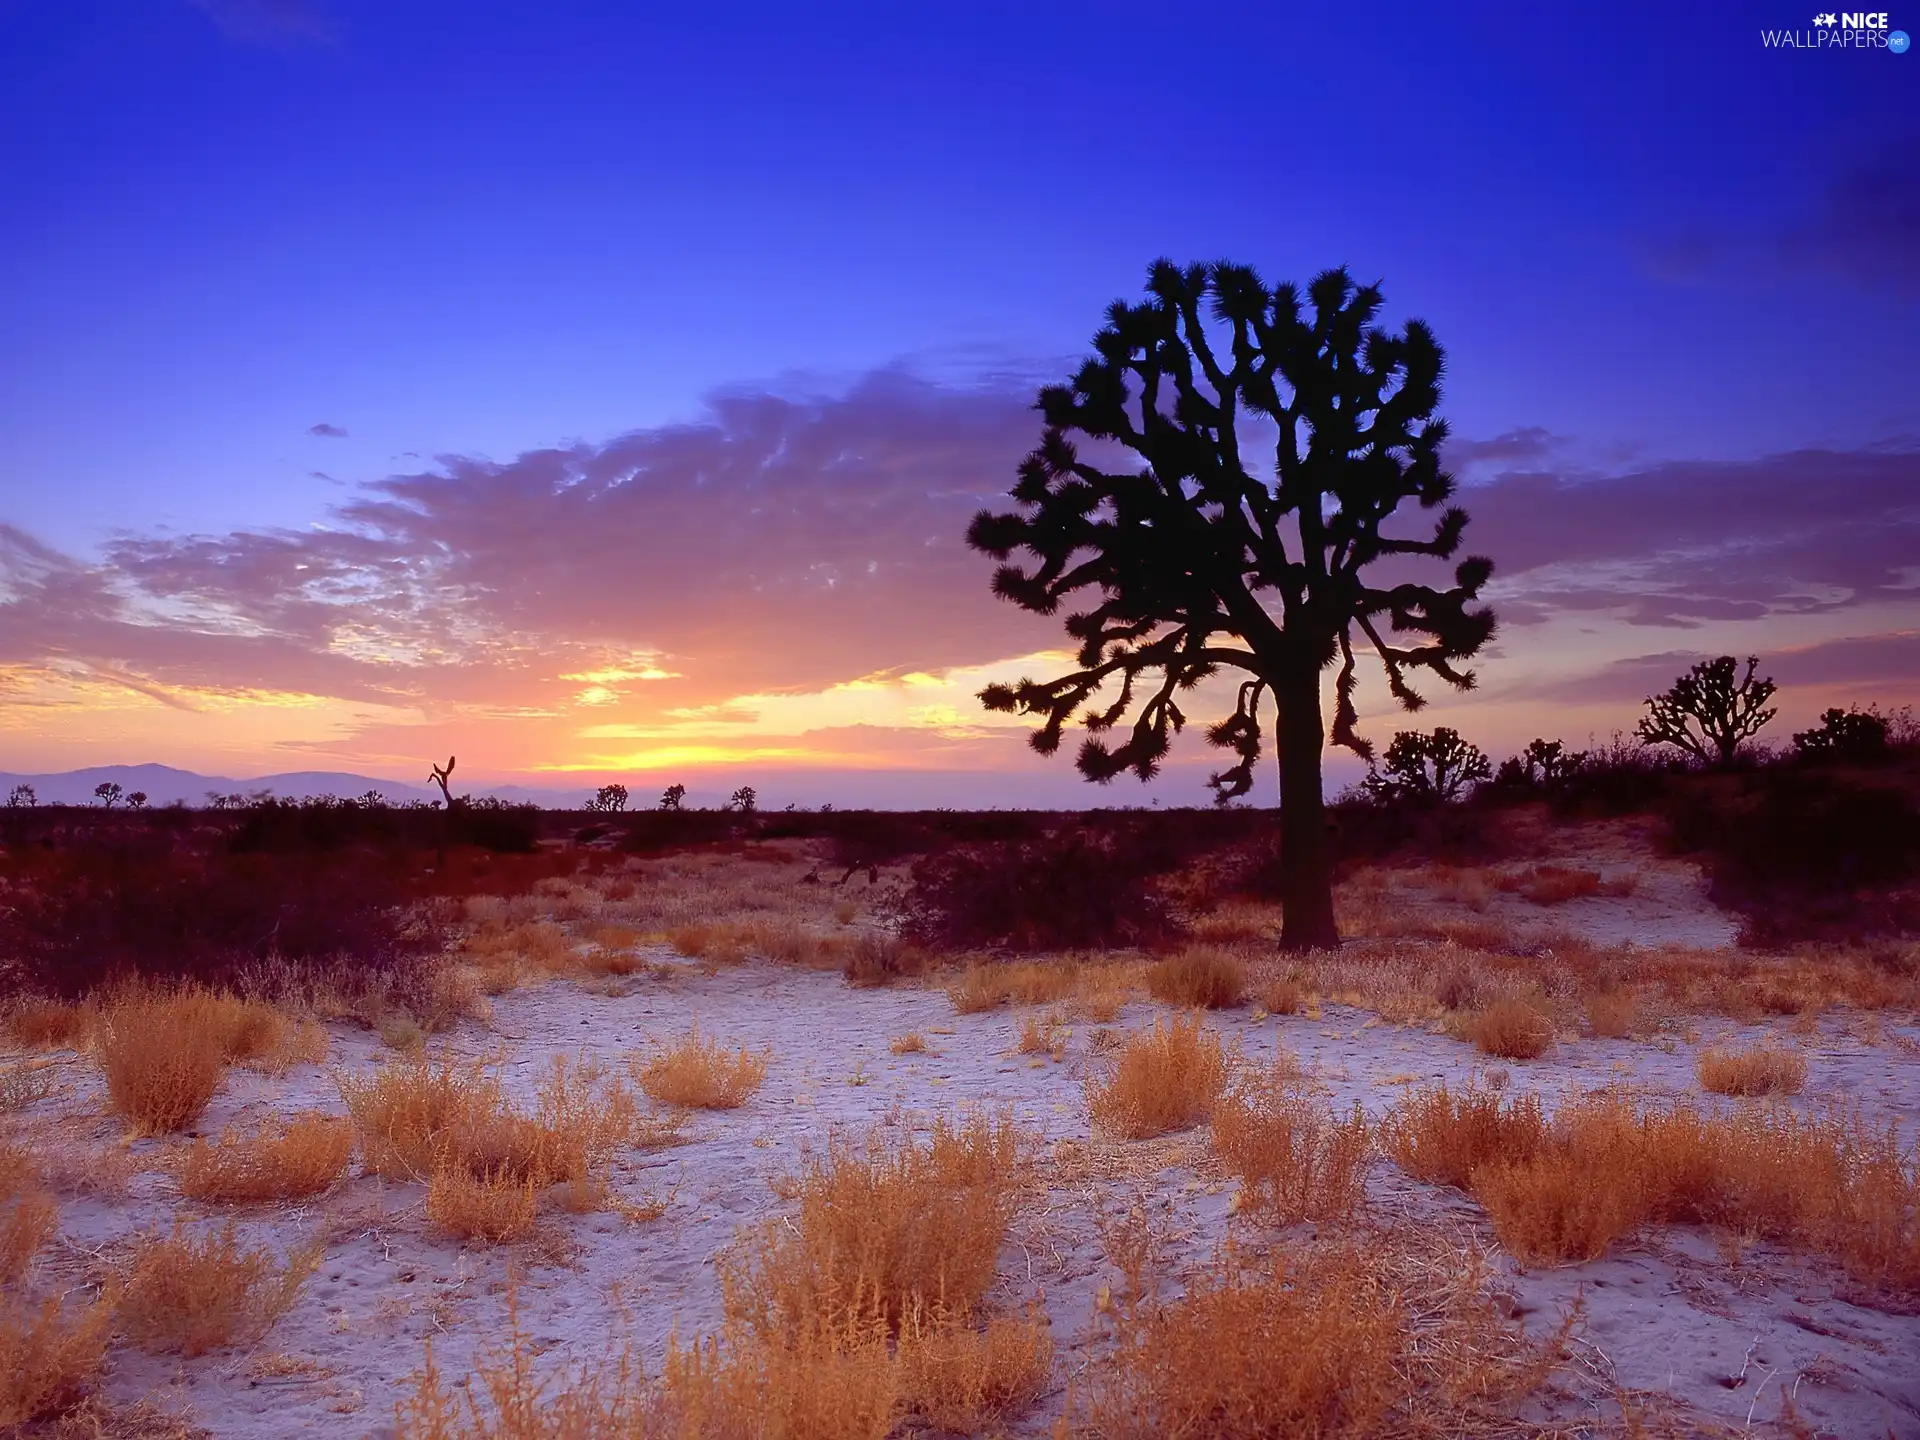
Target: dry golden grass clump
x,y
990,984
50,1353
194,1294
956,1378
453,1128
835,1382
1282,996
1306,1348
1614,1014
495,1206
1443,1136
27,1214
1758,1070
286,1161
701,1074
164,1051
38,1023
718,944
911,1043
1200,978
1295,1158
1164,1079
1566,1190
896,1225
1043,1035
164,1055
1550,884
1511,1029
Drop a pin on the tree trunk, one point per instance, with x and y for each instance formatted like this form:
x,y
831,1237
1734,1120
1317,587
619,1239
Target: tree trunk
x,y
1306,861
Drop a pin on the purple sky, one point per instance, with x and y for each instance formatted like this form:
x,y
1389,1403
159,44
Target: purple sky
x,y
604,391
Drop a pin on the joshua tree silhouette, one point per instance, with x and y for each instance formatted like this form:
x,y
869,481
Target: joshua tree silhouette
x,y
672,796
1709,710
1199,561
441,775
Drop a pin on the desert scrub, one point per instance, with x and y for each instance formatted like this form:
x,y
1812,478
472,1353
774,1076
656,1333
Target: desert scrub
x,y
198,1293
280,1161
1200,978
1511,1029
1163,1079
1295,1158
1205,1364
701,1074
1757,1070
955,1377
897,1225
453,1128
163,1054
1442,1136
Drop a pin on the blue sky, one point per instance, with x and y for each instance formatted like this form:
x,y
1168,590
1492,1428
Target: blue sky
x,y
480,231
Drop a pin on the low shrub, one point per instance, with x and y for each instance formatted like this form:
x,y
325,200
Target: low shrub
x,y
701,1074
1295,1158
1757,1070
1209,1363
50,1354
416,1121
1068,890
905,1228
152,904
163,1055
875,959
954,1377
1199,978
1511,1029
1442,1136
494,1206
301,1157
1550,884
194,1294
1164,1079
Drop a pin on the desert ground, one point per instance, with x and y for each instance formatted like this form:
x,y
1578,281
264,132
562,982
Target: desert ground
x,y
1475,1174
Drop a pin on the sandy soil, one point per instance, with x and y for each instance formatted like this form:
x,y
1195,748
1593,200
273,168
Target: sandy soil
x,y
1676,1316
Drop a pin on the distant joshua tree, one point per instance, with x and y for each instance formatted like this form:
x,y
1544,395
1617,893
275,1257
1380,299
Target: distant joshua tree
x,y
744,800
137,800
22,797
440,776
610,798
1433,768
1196,556
672,796
107,793
1709,710
1543,762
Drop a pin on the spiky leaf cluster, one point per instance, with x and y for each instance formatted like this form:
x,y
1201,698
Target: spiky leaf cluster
x,y
1150,503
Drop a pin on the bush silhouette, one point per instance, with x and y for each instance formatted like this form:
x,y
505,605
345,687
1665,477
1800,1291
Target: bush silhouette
x,y
1859,736
1062,891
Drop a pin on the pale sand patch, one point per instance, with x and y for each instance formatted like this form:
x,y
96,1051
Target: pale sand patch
x,y
1667,1316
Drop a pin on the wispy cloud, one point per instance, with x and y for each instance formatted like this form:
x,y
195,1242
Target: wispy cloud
x,y
327,432
787,574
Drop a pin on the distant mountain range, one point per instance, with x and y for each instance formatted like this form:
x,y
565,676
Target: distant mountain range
x,y
165,785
